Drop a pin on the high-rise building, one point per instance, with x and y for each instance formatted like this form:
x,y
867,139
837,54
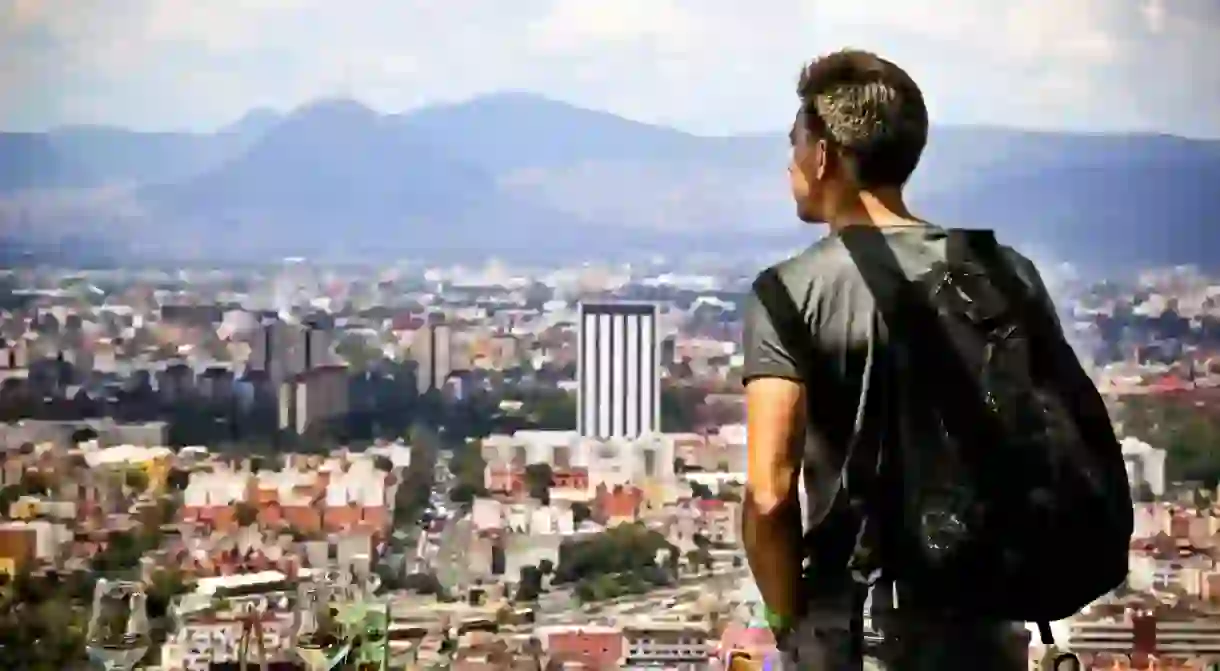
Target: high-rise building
x,y
315,396
618,370
283,349
432,350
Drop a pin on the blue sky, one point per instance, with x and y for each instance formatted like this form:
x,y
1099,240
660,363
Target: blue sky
x,y
710,66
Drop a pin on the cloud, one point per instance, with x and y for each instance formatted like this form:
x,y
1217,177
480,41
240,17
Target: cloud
x,y
707,65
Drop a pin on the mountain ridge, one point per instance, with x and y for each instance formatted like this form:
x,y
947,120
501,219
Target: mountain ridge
x,y
518,172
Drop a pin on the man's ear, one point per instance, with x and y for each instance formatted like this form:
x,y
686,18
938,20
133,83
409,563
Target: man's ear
x,y
821,159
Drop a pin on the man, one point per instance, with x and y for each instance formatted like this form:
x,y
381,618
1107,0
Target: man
x,y
856,140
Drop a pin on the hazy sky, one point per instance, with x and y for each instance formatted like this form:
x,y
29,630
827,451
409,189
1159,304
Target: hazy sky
x,y
712,66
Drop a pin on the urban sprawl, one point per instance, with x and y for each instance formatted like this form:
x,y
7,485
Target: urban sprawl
x,y
525,468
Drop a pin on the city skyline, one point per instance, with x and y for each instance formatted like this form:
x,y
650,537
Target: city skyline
x,y
152,392
713,68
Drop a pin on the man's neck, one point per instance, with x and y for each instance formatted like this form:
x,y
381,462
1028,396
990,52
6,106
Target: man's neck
x,y
883,208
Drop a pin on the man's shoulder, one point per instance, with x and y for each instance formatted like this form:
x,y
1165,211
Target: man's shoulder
x,y
823,259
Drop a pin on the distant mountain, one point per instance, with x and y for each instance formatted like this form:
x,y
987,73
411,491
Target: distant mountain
x,y
513,174
92,156
80,252
336,176
32,161
505,132
253,124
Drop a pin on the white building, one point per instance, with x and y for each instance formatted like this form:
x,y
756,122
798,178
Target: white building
x,y
1145,464
618,369
653,644
615,461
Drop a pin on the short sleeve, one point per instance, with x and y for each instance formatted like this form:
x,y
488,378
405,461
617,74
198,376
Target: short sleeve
x,y
765,355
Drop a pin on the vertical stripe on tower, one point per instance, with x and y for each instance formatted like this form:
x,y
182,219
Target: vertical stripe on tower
x,y
648,390
604,373
618,377
589,383
632,390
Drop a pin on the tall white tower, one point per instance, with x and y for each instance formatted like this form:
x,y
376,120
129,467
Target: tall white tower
x,y
618,370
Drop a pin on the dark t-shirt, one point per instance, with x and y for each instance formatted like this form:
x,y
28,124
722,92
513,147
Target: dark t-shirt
x,y
850,337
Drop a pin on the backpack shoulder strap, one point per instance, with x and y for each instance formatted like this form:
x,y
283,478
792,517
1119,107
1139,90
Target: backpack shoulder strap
x,y
785,317
982,246
959,241
913,323
827,410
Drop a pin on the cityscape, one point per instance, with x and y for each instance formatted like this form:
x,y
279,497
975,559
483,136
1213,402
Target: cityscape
x,y
537,468
391,335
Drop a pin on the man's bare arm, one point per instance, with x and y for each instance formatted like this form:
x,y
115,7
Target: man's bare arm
x,y
771,522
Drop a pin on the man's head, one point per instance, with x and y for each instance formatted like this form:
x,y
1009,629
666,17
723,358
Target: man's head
x,y
862,126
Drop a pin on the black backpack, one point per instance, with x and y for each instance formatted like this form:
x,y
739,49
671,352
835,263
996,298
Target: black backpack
x,y
1023,510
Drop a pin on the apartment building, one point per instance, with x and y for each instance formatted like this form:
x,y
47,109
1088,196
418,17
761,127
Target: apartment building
x,y
312,398
672,645
646,461
1198,636
597,647
1113,634
1167,634
336,496
216,639
512,480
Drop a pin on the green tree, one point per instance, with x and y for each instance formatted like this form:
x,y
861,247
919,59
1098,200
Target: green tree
x,y
245,514
680,408
1194,449
177,479
165,585
167,511
626,548
8,496
357,351
422,583
411,497
555,411
694,559
530,585
122,551
539,478
584,591
599,588
700,490
35,483
581,512
468,466
136,480
463,493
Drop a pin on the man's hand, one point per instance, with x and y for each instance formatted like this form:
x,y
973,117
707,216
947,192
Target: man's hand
x,y
771,522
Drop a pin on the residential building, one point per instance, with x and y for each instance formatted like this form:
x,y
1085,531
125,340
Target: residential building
x,y
432,349
671,645
597,647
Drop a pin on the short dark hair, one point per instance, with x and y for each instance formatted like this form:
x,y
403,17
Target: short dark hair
x,y
871,110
